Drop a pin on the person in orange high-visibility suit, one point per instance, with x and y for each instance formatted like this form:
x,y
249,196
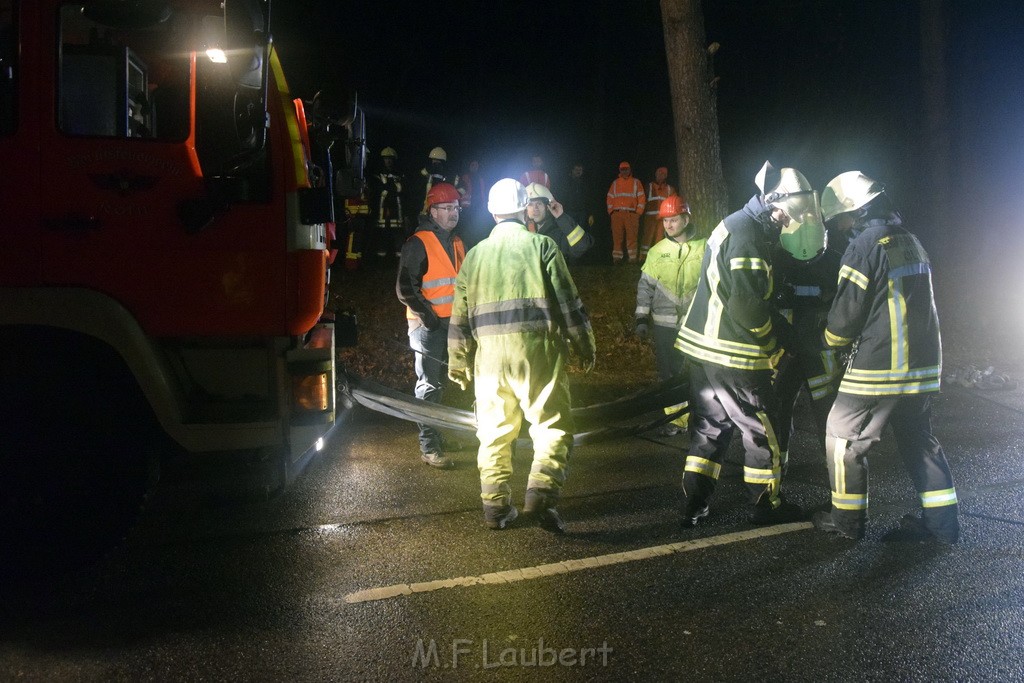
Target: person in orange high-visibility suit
x,y
427,267
626,201
658,190
536,173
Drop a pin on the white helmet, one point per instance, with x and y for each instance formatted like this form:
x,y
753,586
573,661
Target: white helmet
x,y
438,154
538,191
848,192
507,196
787,189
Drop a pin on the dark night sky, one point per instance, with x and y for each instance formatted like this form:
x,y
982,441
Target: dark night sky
x,y
823,85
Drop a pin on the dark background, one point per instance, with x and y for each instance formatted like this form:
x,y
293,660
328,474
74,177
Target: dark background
x,y
822,85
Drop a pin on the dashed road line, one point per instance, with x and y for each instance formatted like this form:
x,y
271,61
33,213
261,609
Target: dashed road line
x,y
568,566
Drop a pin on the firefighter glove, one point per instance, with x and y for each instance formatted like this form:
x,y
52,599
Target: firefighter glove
x,y
642,332
461,376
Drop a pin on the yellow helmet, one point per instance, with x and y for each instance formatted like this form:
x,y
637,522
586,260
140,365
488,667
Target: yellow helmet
x,y
438,154
848,192
389,152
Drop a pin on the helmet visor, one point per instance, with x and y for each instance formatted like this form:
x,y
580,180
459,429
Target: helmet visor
x,y
805,237
797,204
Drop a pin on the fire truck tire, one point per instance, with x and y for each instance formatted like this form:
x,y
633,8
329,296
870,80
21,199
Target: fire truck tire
x,y
79,452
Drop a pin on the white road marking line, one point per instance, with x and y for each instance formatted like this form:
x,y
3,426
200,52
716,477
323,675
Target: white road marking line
x,y
566,566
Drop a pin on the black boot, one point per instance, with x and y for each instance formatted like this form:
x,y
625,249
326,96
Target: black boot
x,y
914,530
692,510
498,517
540,506
823,521
764,514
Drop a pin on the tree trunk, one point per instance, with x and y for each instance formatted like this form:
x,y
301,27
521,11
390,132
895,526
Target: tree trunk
x,y
695,112
936,142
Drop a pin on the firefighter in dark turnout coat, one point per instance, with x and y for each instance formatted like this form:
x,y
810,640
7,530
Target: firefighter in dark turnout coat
x,y
805,268
731,336
885,307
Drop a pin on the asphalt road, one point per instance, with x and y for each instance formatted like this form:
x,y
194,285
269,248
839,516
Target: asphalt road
x,y
375,567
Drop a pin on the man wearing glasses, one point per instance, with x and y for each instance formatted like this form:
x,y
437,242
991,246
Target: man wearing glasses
x,y
427,267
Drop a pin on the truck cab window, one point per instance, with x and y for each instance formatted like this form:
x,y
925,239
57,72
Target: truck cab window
x,y
118,81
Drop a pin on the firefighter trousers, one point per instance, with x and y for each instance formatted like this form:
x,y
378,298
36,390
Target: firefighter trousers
x,y
431,360
625,226
854,424
519,379
670,363
723,400
820,375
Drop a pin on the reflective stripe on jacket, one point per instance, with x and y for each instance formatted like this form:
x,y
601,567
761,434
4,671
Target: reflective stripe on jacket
x,y
656,194
626,194
535,176
572,240
885,304
515,287
729,320
668,281
438,285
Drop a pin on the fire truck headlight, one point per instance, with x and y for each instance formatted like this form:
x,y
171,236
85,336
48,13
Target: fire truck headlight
x,y
310,392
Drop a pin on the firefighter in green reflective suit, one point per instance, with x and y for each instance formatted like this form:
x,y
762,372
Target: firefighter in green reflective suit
x,y
516,311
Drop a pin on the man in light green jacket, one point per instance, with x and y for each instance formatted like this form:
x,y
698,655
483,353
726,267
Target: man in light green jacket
x,y
668,280
516,311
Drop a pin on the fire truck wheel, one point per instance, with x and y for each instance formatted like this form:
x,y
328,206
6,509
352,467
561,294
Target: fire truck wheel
x,y
75,467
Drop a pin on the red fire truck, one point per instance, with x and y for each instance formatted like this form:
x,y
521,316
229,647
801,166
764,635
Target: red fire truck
x,y
164,210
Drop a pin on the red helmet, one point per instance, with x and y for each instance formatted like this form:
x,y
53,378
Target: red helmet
x,y
673,206
441,193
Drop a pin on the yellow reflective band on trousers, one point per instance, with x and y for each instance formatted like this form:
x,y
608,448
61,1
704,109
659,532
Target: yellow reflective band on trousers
x,y
703,466
841,499
937,499
683,421
521,377
838,454
755,476
850,501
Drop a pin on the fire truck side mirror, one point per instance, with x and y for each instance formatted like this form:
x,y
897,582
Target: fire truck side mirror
x,y
351,176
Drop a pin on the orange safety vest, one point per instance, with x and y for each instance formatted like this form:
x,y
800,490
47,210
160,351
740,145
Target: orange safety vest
x,y
535,175
438,286
656,194
626,194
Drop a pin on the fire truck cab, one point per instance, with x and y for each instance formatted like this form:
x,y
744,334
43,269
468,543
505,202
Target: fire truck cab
x,y
164,217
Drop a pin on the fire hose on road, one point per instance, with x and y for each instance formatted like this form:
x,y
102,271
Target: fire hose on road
x,y
638,412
